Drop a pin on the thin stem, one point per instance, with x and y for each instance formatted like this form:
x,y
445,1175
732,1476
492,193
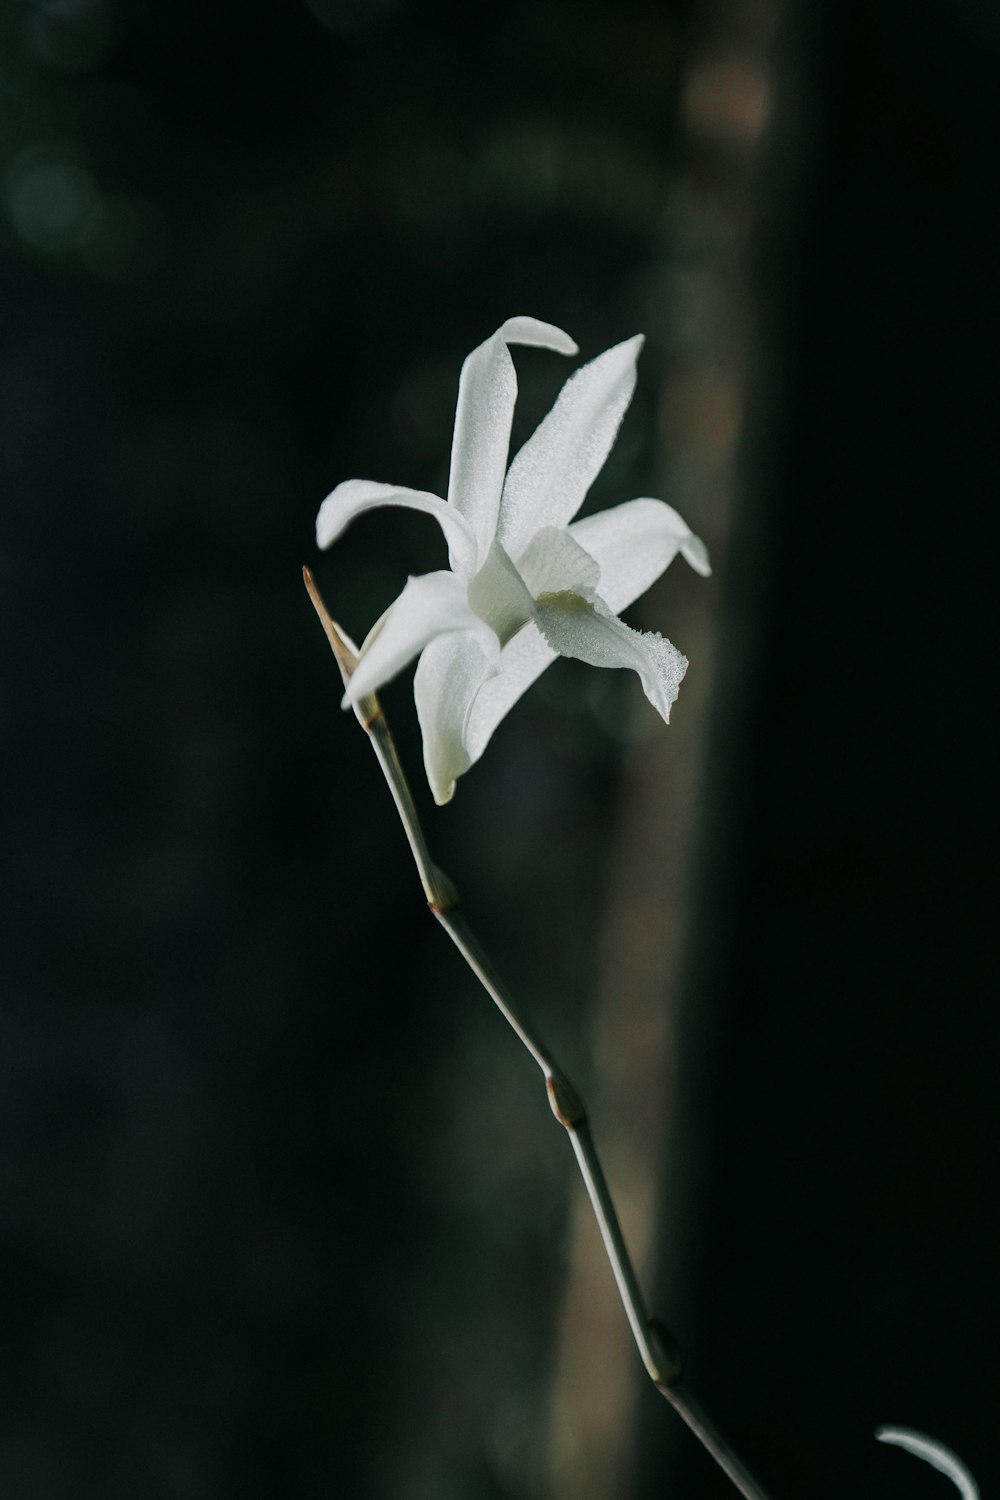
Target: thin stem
x,y
657,1347
660,1355
683,1401
455,924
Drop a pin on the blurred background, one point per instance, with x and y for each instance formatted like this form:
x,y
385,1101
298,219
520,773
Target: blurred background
x,y
282,1208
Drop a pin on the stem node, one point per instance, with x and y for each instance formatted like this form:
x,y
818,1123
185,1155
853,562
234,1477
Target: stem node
x,y
564,1101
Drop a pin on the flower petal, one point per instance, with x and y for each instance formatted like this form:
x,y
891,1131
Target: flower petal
x,y
487,390
548,564
554,470
522,661
352,497
634,543
430,605
499,596
934,1453
449,675
590,632
553,562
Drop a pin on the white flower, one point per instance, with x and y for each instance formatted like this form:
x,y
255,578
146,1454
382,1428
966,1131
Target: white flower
x,y
525,585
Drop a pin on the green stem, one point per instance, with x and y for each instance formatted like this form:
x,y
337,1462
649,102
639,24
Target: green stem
x,y
657,1348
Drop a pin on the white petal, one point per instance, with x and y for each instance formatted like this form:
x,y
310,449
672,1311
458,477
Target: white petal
x,y
356,495
634,543
522,661
532,333
499,596
431,605
487,390
935,1453
450,673
553,562
590,632
557,465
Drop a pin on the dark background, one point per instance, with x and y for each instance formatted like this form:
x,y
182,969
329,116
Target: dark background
x,y
261,1233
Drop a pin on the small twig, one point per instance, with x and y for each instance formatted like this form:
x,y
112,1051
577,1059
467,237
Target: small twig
x,y
657,1347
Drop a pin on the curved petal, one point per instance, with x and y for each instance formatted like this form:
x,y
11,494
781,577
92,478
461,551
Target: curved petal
x,y
431,605
591,633
487,390
934,1453
557,465
554,562
522,661
354,496
634,543
449,675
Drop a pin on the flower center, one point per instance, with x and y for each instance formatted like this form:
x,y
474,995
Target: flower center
x,y
499,597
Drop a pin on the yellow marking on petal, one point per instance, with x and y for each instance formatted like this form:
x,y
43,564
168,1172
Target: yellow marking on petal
x,y
565,600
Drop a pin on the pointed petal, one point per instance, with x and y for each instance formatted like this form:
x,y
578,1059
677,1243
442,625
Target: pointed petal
x,y
431,605
557,465
591,633
934,1453
634,543
354,496
553,562
449,675
487,390
522,661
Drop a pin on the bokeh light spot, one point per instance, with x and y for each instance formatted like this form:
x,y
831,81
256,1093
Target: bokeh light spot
x,y
48,198
69,34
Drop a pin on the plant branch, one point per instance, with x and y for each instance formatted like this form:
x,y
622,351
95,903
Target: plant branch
x,y
658,1349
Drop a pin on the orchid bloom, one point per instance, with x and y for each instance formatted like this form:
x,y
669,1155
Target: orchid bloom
x,y
526,583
